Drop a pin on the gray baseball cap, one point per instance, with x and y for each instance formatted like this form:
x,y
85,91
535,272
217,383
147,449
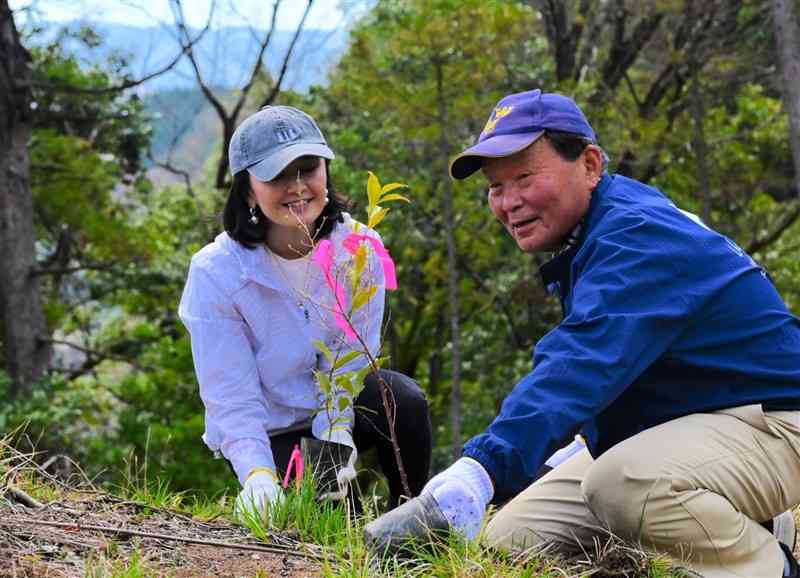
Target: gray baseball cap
x,y
266,142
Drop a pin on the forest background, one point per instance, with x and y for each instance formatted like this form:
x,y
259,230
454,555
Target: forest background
x,y
112,178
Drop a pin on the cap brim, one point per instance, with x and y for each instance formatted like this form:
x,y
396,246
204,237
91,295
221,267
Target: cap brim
x,y
271,167
495,147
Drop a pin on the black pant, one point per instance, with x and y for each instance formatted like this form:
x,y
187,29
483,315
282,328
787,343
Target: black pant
x,y
371,429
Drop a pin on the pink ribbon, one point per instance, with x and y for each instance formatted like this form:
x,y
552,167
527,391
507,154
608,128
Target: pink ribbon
x,y
323,256
296,461
352,242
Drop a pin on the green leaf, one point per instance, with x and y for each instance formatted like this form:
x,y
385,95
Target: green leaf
x,y
395,197
324,349
363,297
361,375
377,216
392,187
345,359
373,190
324,381
344,403
344,382
358,267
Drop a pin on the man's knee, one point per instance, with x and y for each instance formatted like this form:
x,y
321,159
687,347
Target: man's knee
x,y
507,531
620,497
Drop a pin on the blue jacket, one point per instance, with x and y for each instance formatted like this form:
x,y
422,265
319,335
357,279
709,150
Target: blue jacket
x,y
663,317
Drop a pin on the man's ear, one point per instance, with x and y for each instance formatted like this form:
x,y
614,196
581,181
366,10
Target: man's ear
x,y
593,162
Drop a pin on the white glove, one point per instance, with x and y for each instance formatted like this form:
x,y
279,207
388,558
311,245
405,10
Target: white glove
x,y
260,490
462,492
348,473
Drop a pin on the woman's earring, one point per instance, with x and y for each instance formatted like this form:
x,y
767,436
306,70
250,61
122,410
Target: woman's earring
x,y
327,198
253,217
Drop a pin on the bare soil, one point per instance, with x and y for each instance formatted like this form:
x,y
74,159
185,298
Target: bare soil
x,y
92,534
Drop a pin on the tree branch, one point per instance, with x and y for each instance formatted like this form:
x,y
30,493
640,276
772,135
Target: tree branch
x,y
70,89
258,63
168,166
77,526
789,218
92,353
277,86
183,34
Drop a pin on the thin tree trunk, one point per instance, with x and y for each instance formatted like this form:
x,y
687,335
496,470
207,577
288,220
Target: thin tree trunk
x,y
787,35
23,319
699,143
452,268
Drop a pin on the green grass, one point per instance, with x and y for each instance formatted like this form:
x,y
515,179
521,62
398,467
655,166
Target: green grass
x,y
109,566
300,514
333,530
332,526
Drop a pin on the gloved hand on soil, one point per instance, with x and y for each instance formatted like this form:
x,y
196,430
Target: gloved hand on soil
x,y
455,500
260,490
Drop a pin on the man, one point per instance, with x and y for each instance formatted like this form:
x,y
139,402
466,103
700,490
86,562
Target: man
x,y
676,360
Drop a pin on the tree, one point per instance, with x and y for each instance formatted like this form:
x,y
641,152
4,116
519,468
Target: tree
x,y
787,35
26,354
229,117
661,81
644,66
415,87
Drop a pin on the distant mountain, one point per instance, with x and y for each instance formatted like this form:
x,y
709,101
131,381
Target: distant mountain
x,y
225,55
186,130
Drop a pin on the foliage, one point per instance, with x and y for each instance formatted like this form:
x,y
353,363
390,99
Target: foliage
x,y
419,74
418,82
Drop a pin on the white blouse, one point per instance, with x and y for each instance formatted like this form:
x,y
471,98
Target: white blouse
x,y
253,334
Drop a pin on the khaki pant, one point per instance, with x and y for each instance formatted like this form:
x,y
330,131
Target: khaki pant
x,y
695,488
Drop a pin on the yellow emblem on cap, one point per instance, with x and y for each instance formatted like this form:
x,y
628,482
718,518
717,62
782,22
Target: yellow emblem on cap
x,y
497,114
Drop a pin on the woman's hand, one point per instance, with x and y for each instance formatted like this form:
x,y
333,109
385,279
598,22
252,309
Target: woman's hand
x,y
345,473
260,490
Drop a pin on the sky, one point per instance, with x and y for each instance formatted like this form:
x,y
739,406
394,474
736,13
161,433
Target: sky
x,y
325,14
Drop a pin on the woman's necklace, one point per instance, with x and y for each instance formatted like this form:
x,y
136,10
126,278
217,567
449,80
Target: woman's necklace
x,y
295,279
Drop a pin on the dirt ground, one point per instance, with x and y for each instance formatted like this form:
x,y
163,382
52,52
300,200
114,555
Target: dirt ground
x,y
93,534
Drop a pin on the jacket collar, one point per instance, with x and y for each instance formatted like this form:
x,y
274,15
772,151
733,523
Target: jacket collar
x,y
255,264
556,270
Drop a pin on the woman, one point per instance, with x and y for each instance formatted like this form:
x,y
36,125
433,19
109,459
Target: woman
x,y
255,302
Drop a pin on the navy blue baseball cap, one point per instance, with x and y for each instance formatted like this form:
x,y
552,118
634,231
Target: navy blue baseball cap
x,y
516,122
268,141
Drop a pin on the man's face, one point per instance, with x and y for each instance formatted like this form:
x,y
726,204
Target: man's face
x,y
540,197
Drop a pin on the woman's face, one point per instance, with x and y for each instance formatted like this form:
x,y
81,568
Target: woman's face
x,y
296,197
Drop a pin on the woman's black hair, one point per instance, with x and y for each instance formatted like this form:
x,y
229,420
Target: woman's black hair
x,y
236,214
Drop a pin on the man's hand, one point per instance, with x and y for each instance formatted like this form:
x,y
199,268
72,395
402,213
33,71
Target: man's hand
x,y
455,500
462,492
260,490
346,473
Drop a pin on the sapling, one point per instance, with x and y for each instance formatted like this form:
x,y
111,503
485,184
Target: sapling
x,y
340,386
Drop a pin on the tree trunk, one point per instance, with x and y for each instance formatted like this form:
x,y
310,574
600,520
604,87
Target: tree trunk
x,y
699,144
452,268
23,319
787,35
